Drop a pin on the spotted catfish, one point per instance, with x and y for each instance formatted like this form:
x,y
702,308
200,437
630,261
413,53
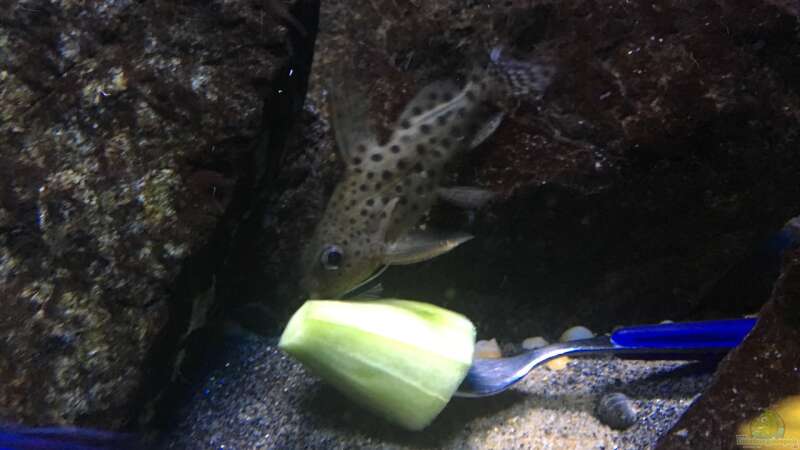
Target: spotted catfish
x,y
387,188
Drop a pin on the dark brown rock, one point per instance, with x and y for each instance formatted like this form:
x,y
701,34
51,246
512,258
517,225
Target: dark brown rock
x,y
763,370
125,130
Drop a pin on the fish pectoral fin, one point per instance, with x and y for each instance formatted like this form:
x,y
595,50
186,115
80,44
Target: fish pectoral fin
x,y
486,129
428,98
348,108
466,197
418,246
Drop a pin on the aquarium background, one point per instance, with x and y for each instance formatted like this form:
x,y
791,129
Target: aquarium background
x,y
163,164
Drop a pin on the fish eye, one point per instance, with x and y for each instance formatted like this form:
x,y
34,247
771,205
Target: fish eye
x,y
331,257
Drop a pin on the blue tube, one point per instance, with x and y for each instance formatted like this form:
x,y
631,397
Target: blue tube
x,y
63,438
717,334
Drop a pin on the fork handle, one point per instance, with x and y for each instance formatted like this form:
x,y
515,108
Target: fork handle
x,y
707,337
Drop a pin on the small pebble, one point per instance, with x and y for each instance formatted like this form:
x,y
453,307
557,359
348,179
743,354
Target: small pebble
x,y
616,410
576,333
488,349
558,363
534,342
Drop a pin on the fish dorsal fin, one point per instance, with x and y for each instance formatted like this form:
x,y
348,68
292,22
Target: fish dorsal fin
x,y
427,99
349,113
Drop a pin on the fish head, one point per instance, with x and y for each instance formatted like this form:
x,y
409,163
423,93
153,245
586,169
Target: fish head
x,y
333,269
341,258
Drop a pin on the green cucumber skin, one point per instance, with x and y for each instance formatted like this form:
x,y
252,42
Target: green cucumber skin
x,y
405,383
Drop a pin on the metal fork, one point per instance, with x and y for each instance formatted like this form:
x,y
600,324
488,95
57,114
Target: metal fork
x,y
669,341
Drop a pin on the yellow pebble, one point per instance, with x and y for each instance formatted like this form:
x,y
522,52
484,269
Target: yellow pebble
x,y
487,349
558,363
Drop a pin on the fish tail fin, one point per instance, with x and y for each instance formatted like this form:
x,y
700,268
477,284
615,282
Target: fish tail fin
x,y
64,438
519,78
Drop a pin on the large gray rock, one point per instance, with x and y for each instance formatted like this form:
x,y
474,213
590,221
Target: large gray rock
x,y
125,129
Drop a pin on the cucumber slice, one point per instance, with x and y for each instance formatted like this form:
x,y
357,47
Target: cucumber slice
x,y
399,358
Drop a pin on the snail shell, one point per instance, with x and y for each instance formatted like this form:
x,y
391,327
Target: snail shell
x,y
616,410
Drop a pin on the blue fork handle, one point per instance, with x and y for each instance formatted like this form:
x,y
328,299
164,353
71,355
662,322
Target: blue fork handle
x,y
707,337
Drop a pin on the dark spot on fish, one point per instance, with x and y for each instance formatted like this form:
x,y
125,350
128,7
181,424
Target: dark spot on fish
x,y
395,149
416,110
433,141
405,124
387,175
376,157
357,253
415,207
446,143
363,212
363,188
420,190
385,200
383,214
361,148
356,161
470,95
370,175
352,221
433,96
421,149
441,120
461,112
418,167
359,170
402,164
425,128
454,132
403,201
378,186
370,201
399,188
447,96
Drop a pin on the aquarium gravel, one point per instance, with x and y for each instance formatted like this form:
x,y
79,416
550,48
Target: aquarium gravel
x,y
256,397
